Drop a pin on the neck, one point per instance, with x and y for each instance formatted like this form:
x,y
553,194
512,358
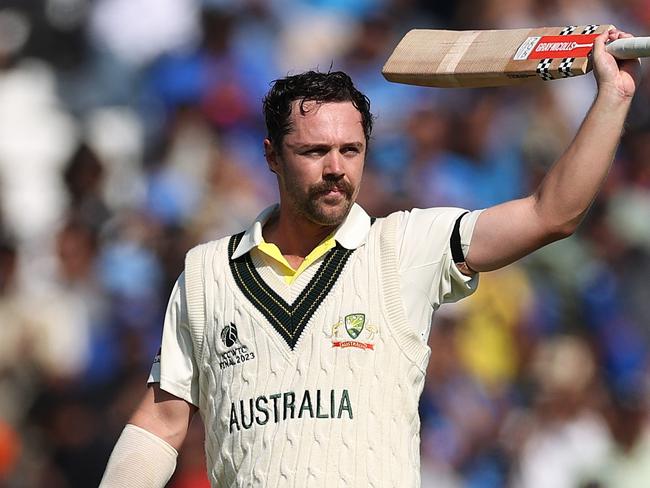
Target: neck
x,y
294,235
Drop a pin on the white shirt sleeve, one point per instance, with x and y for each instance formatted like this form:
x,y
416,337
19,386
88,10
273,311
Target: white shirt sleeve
x,y
174,366
428,275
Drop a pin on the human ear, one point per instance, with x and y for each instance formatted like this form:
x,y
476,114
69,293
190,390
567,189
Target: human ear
x,y
271,156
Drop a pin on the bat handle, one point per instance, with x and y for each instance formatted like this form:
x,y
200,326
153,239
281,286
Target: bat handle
x,y
629,48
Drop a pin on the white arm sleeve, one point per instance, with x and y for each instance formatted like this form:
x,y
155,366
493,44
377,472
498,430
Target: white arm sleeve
x,y
428,275
174,368
139,460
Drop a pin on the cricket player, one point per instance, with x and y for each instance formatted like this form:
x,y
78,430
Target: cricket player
x,y
302,341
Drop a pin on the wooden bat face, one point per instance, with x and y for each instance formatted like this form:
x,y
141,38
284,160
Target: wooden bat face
x,y
443,58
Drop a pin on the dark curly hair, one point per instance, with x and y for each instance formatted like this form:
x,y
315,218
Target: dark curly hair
x,y
334,86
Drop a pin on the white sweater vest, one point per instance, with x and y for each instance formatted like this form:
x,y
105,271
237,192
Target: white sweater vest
x,y
319,393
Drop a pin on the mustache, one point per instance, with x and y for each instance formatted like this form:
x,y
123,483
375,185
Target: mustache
x,y
343,186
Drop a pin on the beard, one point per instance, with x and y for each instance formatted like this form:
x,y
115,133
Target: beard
x,y
318,207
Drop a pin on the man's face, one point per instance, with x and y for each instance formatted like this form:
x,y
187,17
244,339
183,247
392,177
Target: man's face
x,y
320,167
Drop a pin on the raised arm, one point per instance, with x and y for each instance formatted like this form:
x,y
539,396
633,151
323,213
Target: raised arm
x,y
509,231
145,454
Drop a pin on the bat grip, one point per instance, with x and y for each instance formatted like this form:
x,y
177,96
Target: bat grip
x,y
629,48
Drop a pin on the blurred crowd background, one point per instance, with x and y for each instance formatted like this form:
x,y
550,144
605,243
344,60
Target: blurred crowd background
x,y
131,130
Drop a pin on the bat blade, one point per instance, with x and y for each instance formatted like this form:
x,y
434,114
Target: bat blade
x,y
444,58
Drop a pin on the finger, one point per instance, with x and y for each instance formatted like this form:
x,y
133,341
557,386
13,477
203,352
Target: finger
x,y
618,34
599,42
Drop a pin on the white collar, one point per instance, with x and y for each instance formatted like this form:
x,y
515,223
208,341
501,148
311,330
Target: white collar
x,y
350,234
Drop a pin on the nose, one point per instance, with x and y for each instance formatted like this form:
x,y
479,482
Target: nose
x,y
333,165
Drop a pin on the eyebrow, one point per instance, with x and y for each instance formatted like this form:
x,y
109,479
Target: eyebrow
x,y
318,145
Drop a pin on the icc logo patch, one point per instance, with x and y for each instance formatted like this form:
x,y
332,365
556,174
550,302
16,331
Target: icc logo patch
x,y
353,331
229,335
237,352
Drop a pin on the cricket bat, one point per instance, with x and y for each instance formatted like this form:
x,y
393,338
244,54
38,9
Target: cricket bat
x,y
445,58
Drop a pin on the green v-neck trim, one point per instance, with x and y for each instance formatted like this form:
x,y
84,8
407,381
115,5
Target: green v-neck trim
x,y
289,320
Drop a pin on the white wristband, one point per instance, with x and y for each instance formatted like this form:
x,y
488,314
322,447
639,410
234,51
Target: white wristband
x,y
139,459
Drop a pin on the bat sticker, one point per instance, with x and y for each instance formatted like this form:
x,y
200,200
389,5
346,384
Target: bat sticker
x,y
555,47
526,48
